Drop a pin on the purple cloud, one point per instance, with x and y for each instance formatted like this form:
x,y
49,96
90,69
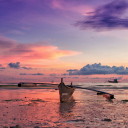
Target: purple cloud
x,y
53,74
75,77
37,74
1,67
109,16
14,65
22,74
27,68
99,69
64,74
72,70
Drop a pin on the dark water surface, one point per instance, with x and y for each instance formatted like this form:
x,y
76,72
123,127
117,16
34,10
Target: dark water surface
x,y
40,108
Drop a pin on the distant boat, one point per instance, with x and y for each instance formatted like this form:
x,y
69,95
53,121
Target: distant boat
x,y
25,84
113,81
65,91
29,84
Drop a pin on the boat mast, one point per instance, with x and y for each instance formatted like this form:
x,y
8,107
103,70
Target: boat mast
x,y
61,80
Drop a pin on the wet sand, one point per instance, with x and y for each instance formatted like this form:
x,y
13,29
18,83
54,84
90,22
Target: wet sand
x,y
40,107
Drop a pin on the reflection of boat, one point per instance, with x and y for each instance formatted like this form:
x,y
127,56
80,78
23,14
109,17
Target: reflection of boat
x,y
65,91
66,108
113,81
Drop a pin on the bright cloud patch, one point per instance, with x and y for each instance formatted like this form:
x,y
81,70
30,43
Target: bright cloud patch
x,y
99,69
29,52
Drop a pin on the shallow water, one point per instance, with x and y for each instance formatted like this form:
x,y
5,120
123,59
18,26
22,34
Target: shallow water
x,y
40,108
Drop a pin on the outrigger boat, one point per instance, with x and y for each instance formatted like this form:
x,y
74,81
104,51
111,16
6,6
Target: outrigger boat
x,y
27,84
30,84
65,91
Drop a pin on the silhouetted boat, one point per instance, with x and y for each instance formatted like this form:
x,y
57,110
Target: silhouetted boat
x,y
113,81
65,91
27,84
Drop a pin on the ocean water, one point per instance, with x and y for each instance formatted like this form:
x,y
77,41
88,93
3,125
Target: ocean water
x,y
39,108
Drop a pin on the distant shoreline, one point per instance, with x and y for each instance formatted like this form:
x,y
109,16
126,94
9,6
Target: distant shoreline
x,y
38,87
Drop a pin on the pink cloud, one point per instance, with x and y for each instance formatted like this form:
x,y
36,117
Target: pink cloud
x,y
12,50
6,42
71,6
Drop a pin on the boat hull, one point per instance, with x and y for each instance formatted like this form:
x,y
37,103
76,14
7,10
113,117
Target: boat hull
x,y
65,92
112,81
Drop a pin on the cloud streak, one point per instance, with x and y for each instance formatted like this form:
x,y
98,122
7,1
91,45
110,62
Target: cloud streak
x,y
71,6
22,74
109,16
37,74
30,52
1,67
27,68
99,69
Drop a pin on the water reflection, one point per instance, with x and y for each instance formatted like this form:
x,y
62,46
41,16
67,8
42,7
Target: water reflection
x,y
41,108
66,108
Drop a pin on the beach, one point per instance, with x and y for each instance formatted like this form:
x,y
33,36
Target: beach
x,y
39,107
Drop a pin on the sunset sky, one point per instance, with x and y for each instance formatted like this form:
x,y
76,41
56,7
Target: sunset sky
x,y
79,40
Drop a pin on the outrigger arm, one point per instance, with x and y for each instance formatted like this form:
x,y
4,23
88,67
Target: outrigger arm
x,y
111,96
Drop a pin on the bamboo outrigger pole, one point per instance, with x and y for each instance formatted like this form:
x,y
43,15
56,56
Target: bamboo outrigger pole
x,y
111,96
